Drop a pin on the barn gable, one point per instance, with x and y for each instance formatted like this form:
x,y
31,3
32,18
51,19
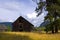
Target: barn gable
x,y
21,24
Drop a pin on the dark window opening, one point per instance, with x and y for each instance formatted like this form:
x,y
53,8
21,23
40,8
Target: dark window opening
x,y
21,28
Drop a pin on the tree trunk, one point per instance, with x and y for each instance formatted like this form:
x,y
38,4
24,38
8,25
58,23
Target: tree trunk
x,y
52,30
56,29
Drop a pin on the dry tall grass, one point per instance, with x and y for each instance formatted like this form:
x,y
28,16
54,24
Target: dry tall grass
x,y
28,36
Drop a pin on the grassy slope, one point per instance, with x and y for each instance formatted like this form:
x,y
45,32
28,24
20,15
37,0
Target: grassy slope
x,y
28,36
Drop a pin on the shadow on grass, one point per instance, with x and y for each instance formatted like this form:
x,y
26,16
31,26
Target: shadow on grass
x,y
4,36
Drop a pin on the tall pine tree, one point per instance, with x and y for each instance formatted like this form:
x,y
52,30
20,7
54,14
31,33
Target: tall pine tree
x,y
53,8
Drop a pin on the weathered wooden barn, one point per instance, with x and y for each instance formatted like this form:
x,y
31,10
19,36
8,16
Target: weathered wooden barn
x,y
21,24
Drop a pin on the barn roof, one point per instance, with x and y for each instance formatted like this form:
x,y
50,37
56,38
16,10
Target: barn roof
x,y
24,19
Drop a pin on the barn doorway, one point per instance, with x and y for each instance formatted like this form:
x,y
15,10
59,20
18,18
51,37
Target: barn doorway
x,y
20,28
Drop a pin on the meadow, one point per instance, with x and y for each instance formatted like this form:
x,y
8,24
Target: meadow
x,y
28,36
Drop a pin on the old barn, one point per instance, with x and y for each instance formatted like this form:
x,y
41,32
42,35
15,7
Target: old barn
x,y
21,24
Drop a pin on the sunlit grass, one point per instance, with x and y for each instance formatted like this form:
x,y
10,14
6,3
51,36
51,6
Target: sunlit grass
x,y
28,36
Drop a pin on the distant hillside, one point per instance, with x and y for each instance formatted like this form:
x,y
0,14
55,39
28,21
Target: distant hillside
x,y
45,23
6,23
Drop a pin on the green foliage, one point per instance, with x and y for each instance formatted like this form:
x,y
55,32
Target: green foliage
x,y
40,7
9,28
57,23
53,8
39,28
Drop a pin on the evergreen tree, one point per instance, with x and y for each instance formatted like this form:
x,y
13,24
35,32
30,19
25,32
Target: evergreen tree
x,y
53,8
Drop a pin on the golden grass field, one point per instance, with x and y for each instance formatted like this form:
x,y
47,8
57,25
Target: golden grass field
x,y
28,36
